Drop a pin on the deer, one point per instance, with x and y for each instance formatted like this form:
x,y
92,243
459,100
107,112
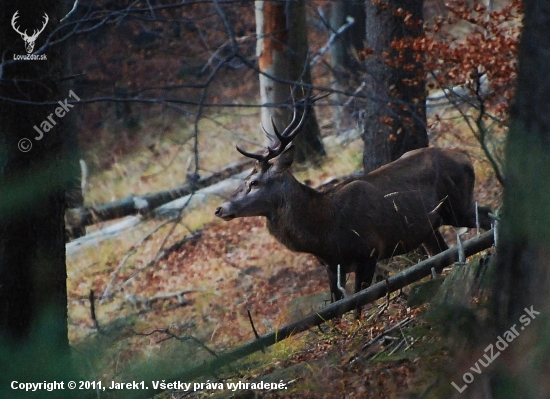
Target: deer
x,y
356,222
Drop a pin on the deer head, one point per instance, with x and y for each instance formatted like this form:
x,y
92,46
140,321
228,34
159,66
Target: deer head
x,y
29,40
258,194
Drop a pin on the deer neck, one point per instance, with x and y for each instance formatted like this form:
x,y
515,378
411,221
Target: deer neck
x,y
300,218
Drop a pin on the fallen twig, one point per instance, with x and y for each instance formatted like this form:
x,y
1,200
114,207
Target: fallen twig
x,y
402,323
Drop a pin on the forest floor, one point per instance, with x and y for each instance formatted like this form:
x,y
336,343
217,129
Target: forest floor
x,y
236,267
169,314
255,273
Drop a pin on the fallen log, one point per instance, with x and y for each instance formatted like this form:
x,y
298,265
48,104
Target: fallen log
x,y
139,204
171,209
376,291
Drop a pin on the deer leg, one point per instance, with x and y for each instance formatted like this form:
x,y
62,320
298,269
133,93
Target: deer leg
x,y
435,243
342,285
484,218
335,293
363,278
468,218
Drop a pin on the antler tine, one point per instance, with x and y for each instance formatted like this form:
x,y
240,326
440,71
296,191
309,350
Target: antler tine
x,y
39,31
275,130
14,21
292,129
283,137
269,135
46,20
258,157
292,122
288,134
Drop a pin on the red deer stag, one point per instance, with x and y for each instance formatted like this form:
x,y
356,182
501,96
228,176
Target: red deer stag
x,y
387,212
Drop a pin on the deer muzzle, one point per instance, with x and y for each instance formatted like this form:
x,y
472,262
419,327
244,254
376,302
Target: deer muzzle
x,y
224,212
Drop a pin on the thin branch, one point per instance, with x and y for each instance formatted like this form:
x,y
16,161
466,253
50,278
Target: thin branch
x,y
161,254
349,22
108,292
92,310
252,324
174,336
483,130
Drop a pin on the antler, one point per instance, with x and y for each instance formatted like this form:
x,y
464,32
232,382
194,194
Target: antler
x,y
15,16
24,34
284,138
37,32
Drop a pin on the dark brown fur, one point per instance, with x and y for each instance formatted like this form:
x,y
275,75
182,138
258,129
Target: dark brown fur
x,y
387,212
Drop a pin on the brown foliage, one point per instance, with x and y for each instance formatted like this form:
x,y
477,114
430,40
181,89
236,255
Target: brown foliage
x,y
488,48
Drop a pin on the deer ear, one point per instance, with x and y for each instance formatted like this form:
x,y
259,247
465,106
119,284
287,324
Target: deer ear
x,y
284,160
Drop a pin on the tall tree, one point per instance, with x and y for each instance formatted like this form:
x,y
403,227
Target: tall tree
x,y
282,51
522,278
74,197
343,51
394,119
33,290
348,42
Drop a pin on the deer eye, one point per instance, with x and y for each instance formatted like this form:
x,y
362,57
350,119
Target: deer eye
x,y
254,183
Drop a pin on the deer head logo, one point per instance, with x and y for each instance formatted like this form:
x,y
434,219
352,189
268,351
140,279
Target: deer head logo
x,y
29,40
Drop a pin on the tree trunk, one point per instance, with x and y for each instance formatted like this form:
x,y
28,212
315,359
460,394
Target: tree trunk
x,y
523,256
394,119
282,49
74,197
33,291
524,251
345,66
525,231
309,144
